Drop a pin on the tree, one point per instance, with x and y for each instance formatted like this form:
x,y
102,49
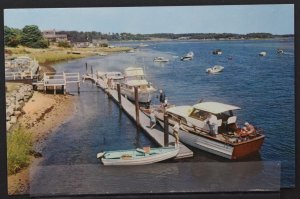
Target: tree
x,y
12,36
32,37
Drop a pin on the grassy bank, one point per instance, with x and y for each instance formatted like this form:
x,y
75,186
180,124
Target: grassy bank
x,y
19,146
55,54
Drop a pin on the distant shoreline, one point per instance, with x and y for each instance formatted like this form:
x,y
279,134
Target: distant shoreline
x,y
191,40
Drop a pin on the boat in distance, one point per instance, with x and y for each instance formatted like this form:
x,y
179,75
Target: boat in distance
x,y
135,77
137,156
222,136
160,59
217,52
188,56
262,54
215,69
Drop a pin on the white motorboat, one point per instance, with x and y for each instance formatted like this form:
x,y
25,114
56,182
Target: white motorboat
x,y
110,79
227,139
188,56
137,156
263,54
135,77
215,69
160,59
217,52
280,51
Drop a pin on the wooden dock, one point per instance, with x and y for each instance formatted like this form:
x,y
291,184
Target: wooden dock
x,y
144,120
58,81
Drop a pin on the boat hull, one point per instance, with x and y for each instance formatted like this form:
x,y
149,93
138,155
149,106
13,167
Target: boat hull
x,y
223,149
144,97
147,159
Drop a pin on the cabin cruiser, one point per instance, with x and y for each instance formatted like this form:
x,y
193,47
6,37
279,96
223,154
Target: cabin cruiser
x,y
215,69
212,127
109,79
135,77
160,59
188,56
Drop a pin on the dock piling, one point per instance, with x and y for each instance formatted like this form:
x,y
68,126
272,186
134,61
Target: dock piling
x,y
119,95
137,107
166,130
78,87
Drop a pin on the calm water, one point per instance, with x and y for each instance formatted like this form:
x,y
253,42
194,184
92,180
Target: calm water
x,y
262,86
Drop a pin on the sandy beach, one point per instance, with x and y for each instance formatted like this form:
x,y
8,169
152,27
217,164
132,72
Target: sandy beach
x,y
43,114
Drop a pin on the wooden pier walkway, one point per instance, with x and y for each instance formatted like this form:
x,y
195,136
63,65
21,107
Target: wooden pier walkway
x,y
129,108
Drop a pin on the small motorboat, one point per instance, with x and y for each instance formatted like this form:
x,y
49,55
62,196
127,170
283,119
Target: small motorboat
x,y
137,156
280,51
188,56
217,52
215,69
160,59
262,54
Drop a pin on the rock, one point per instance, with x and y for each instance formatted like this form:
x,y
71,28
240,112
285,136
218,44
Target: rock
x,y
9,111
17,113
8,125
13,119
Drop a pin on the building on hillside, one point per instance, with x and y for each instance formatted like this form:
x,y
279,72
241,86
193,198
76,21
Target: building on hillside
x,y
52,36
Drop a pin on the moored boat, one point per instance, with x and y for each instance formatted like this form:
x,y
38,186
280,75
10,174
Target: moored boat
x,y
217,52
280,51
135,77
137,156
215,69
160,59
263,54
110,79
188,56
222,137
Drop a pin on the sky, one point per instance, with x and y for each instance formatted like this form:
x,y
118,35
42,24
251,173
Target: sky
x,y
242,19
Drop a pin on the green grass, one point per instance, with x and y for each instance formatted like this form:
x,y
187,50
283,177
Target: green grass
x,y
19,145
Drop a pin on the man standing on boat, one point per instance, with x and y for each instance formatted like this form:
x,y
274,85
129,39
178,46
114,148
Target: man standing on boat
x,y
212,122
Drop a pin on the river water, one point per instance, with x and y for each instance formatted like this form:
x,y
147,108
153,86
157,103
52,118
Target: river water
x,y
262,86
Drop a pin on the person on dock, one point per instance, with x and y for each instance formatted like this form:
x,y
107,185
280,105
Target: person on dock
x,y
152,119
176,128
212,122
162,97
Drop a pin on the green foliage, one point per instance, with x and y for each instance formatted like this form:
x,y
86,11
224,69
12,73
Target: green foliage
x,y
64,44
12,36
32,37
19,145
103,45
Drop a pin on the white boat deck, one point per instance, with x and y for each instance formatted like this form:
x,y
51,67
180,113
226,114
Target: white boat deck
x,y
129,108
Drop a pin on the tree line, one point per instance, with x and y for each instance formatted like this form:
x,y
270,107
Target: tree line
x,y
75,36
31,36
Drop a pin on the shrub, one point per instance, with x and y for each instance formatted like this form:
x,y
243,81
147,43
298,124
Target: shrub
x,y
19,145
64,44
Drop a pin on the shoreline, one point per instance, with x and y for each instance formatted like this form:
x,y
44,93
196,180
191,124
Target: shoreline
x,y
43,115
